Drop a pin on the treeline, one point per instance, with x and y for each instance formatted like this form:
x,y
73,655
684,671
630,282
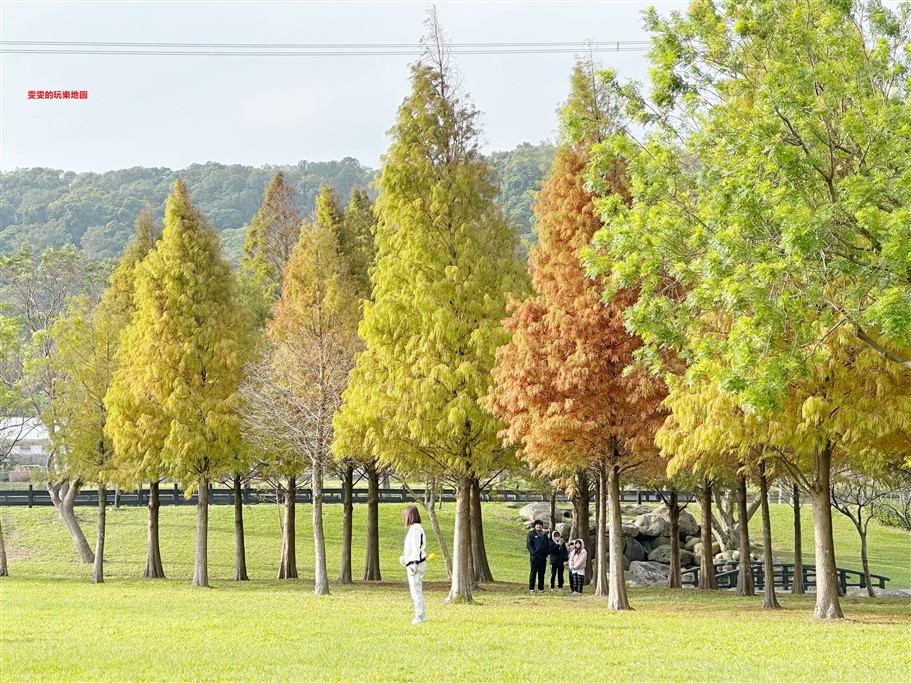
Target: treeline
x,y
716,301
95,211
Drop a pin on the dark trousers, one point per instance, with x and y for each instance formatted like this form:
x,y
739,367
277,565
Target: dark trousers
x,y
556,572
538,566
576,581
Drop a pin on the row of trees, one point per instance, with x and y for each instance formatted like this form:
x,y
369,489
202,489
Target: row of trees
x,y
720,295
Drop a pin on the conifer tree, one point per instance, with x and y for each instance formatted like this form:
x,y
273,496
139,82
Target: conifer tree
x,y
561,383
271,237
445,264
355,241
298,387
134,467
273,233
352,229
181,360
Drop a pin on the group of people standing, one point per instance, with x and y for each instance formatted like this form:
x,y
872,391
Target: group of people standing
x,y
542,546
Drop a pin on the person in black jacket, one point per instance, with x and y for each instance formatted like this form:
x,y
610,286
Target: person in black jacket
x,y
538,544
559,556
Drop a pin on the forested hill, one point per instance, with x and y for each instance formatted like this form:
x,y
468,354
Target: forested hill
x,y
95,211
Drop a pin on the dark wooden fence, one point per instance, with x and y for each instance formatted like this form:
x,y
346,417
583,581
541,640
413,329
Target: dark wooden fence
x,y
173,495
782,575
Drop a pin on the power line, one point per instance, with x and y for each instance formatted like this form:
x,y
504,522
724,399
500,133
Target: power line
x,y
308,49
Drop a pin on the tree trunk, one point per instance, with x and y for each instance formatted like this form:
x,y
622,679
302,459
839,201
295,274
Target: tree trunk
x,y
827,602
553,511
745,566
865,563
674,578
706,557
154,568
201,570
344,576
435,525
769,599
321,575
460,590
240,553
287,565
98,568
3,569
117,497
478,550
372,558
601,584
63,495
616,598
797,587
582,517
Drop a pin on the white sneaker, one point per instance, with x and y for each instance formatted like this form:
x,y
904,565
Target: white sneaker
x,y
419,620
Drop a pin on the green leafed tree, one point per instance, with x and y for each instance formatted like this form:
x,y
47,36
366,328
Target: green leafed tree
x,y
86,339
14,424
772,182
771,190
445,265
175,387
35,288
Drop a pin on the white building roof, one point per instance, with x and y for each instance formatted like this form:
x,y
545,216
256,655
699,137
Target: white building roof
x,y
23,429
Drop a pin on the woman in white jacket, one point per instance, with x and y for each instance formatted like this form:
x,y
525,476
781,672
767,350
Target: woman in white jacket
x,y
414,560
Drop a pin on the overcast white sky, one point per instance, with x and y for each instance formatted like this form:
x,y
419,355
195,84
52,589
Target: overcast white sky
x,y
176,110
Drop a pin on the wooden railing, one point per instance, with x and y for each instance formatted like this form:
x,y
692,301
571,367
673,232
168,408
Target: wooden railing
x,y
782,575
173,495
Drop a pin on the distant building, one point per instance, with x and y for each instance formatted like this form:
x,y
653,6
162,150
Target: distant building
x,y
26,441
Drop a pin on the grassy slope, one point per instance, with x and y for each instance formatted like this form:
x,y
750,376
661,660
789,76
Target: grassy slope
x,y
264,630
889,549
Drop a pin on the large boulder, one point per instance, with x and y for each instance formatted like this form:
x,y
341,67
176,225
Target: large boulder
x,y
691,542
632,581
652,525
633,550
687,559
649,573
630,530
716,548
541,510
686,523
661,554
564,528
640,510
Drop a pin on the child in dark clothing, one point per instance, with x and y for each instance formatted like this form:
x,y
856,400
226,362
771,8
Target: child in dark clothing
x,y
559,556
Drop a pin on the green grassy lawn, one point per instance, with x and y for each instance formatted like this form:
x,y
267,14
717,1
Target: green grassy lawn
x,y
55,625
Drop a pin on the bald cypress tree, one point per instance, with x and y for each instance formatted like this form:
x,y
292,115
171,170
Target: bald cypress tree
x,y
181,360
273,232
563,382
134,467
445,265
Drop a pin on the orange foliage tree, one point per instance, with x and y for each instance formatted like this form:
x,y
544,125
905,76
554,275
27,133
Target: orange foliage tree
x,y
560,384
